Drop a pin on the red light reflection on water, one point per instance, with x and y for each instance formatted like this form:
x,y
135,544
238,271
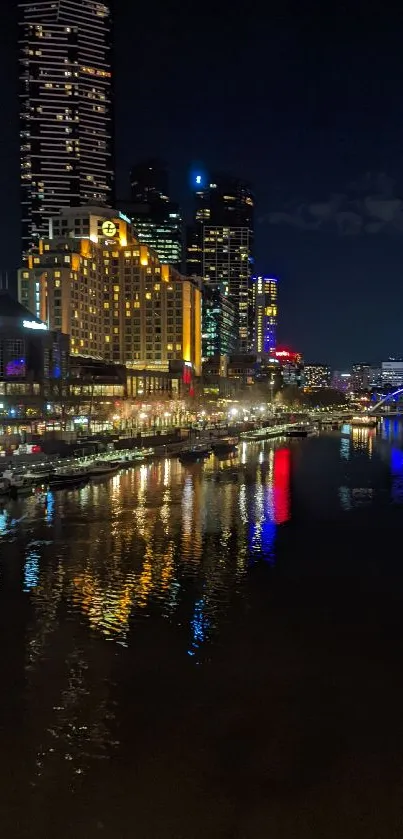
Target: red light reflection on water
x,y
282,471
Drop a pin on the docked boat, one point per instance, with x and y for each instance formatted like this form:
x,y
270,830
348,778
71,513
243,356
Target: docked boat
x,y
40,474
194,453
103,468
301,431
363,421
19,483
68,476
227,445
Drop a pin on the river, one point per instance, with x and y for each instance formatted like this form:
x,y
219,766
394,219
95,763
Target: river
x,y
211,650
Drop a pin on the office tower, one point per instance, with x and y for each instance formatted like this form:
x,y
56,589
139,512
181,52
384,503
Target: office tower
x,y
218,324
392,372
291,364
220,246
65,109
366,376
316,376
156,219
92,279
264,301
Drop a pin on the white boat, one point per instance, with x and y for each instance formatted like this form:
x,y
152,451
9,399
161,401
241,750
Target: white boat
x,y
19,482
102,468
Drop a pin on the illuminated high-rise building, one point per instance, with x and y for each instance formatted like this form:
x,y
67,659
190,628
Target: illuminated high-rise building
x,y
218,324
65,109
220,246
316,376
92,279
156,219
264,297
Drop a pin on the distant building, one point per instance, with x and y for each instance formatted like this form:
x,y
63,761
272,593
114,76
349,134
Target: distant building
x,y
66,109
291,364
316,375
93,280
34,364
218,324
392,372
157,220
264,304
341,381
220,245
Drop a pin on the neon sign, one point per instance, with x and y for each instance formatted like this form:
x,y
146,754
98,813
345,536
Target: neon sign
x,y
33,324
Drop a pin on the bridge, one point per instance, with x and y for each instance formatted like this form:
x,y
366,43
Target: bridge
x,y
380,411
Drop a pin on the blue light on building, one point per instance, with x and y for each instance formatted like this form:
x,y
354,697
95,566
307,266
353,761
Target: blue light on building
x,y
264,293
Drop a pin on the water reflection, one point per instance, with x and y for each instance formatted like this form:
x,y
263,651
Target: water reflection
x,y
162,548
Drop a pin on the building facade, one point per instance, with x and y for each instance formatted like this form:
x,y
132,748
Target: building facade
x,y
156,219
65,109
93,280
220,246
264,302
366,376
342,381
34,364
392,373
218,324
291,364
316,376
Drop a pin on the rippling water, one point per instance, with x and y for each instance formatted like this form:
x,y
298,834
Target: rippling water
x,y
155,627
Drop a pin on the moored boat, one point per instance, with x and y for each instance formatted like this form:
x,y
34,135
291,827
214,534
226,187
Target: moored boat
x,y
226,445
68,476
103,468
194,453
363,421
301,431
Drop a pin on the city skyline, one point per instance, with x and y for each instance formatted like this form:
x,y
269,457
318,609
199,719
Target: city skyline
x,y
317,146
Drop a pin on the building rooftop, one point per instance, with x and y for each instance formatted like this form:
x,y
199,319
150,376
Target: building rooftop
x,y
11,309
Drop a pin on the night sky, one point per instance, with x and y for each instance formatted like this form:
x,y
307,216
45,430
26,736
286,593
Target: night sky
x,y
306,104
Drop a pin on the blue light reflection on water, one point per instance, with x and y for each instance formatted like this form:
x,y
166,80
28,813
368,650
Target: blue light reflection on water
x,y
199,627
31,571
396,468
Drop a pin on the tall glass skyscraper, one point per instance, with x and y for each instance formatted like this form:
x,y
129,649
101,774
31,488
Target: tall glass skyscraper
x,y
157,220
65,109
220,246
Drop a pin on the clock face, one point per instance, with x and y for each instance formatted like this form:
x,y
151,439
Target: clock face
x,y
109,229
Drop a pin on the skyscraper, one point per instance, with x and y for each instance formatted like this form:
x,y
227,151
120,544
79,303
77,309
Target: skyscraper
x,y
264,297
66,111
220,246
156,219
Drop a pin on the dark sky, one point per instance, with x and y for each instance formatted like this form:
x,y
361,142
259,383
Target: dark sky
x,y
303,99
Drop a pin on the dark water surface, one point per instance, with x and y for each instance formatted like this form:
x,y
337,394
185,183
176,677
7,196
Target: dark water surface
x,y
209,651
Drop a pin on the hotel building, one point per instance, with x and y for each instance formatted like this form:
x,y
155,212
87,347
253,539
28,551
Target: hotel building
x,y
93,280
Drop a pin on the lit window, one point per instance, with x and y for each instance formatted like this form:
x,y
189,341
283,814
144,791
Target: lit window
x,y
57,273
148,295
57,283
107,339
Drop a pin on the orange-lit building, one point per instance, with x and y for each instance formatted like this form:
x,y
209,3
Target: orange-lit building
x,y
92,280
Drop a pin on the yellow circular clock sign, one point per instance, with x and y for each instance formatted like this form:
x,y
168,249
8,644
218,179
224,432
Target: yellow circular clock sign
x,y
109,229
